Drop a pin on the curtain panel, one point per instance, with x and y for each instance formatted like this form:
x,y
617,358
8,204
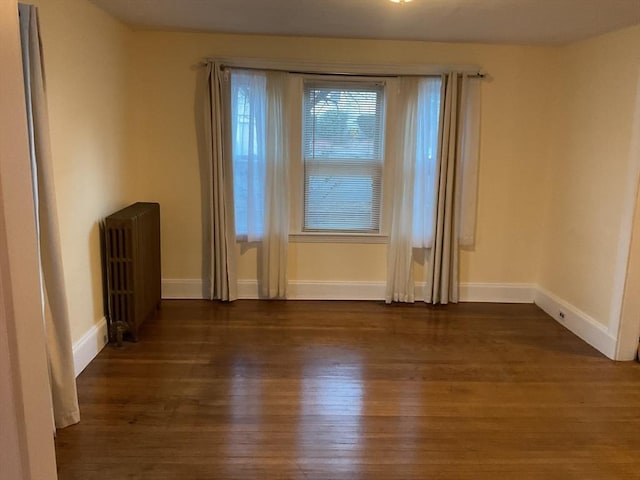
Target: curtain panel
x,y
400,284
272,275
434,206
217,173
456,185
54,299
442,269
260,152
245,157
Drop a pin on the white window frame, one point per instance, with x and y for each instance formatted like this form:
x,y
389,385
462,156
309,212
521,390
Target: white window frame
x,y
297,234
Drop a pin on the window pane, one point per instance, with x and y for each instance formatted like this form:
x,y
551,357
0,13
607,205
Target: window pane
x,y
248,104
343,147
342,197
424,186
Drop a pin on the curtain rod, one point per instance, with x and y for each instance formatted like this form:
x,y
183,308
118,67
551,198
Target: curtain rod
x,y
349,74
387,71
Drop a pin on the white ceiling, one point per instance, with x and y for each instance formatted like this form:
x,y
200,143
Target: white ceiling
x,y
492,21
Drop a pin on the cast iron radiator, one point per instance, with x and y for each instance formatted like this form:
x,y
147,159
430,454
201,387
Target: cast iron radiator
x,y
132,257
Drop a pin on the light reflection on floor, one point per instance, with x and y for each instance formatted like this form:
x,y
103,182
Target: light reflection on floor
x,y
332,401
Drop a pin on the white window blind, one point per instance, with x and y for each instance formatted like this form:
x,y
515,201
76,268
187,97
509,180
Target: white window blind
x,y
343,155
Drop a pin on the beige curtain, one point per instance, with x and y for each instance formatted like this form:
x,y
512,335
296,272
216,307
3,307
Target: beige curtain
x,y
274,245
217,174
456,185
59,346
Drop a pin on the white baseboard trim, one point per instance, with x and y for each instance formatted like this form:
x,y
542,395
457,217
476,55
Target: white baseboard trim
x,y
310,290
469,292
182,289
90,345
247,289
340,290
497,292
577,321
320,290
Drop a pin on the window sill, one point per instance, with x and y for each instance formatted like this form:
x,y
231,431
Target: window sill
x,y
337,238
362,238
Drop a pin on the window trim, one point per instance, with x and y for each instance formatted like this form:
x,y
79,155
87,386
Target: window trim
x,y
296,172
374,165
321,237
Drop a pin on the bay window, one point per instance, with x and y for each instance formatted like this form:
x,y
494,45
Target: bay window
x,y
338,140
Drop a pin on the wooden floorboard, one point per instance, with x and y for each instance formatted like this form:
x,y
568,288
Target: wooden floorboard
x,y
353,390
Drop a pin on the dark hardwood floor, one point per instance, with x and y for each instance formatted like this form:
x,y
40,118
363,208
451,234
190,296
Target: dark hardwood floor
x,y
354,390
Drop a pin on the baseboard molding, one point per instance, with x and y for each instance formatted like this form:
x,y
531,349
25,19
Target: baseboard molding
x,y
182,289
90,345
340,290
308,290
577,321
497,292
314,290
247,289
469,292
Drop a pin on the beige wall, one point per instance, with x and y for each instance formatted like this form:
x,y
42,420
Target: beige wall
x,y
594,97
26,422
85,52
515,105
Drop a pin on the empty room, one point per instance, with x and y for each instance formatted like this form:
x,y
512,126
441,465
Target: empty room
x,y
340,239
